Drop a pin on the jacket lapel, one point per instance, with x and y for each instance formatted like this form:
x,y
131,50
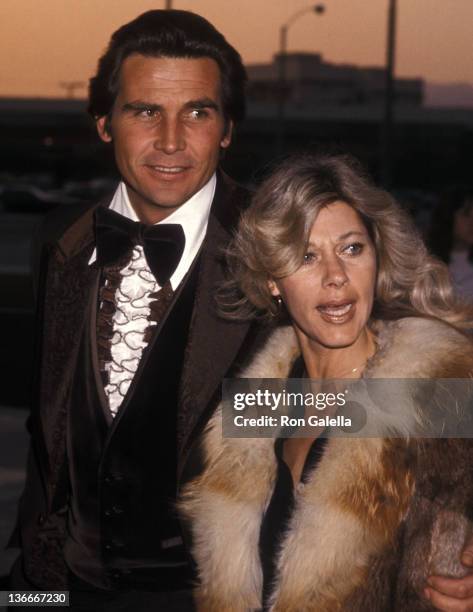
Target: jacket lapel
x,y
68,289
213,341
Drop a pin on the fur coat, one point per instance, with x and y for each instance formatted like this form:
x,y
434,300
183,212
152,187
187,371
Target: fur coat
x,y
375,518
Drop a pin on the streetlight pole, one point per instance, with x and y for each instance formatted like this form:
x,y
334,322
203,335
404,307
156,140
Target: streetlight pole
x,y
318,9
168,4
281,88
389,97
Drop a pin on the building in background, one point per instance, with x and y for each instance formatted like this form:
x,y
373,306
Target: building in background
x,y
310,83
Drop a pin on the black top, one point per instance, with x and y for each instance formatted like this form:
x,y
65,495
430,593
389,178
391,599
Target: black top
x,y
278,514
280,509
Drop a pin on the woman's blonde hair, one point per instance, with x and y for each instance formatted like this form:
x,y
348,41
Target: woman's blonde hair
x,y
274,232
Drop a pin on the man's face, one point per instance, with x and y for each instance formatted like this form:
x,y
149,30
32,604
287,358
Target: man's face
x,y
167,128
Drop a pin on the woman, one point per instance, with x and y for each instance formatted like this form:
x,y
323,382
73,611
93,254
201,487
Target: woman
x,y
451,237
345,524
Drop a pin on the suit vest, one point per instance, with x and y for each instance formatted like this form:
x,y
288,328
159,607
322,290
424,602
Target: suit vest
x,y
123,530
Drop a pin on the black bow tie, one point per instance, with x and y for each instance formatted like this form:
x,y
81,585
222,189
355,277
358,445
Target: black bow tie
x,y
115,237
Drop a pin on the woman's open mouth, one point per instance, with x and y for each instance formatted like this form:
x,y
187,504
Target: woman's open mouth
x,y
334,312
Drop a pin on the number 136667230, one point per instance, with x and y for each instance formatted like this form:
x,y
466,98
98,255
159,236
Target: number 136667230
x,y
34,598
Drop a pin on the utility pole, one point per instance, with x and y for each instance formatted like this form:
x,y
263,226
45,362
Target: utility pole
x,y
168,4
318,9
389,98
281,88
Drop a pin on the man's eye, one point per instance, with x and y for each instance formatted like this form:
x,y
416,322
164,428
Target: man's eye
x,y
146,113
354,249
198,113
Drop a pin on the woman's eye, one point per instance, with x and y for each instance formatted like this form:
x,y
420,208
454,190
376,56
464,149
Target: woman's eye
x,y
309,258
354,249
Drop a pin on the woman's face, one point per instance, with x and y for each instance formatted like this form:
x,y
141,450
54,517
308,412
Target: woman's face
x,y
330,297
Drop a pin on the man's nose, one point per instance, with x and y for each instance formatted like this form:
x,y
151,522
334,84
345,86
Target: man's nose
x,y
334,272
170,136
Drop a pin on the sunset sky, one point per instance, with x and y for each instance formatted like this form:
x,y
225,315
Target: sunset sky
x,y
44,42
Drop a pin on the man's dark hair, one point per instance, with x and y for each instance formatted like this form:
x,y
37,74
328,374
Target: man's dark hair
x,y
169,33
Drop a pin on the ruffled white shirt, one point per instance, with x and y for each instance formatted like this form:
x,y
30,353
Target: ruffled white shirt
x,y
130,319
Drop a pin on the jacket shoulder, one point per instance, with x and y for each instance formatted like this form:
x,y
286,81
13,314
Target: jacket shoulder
x,y
49,231
230,200
57,221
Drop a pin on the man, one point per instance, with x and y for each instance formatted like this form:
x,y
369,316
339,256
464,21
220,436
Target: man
x,y
131,352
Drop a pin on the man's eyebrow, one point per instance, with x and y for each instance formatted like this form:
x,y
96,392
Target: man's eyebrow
x,y
139,105
202,103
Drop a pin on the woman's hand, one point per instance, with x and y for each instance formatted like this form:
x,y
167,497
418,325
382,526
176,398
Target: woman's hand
x,y
453,594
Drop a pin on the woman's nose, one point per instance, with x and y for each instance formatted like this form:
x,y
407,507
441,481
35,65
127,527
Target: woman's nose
x,y
334,272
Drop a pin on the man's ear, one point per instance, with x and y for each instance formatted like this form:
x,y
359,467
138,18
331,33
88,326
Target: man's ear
x,y
227,137
103,128
273,288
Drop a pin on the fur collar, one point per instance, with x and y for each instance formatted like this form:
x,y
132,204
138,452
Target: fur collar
x,y
349,510
419,348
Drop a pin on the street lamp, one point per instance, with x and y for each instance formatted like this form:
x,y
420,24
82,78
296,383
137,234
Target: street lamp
x,y
318,9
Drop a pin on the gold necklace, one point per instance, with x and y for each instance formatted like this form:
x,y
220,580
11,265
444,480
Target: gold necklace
x,y
352,371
